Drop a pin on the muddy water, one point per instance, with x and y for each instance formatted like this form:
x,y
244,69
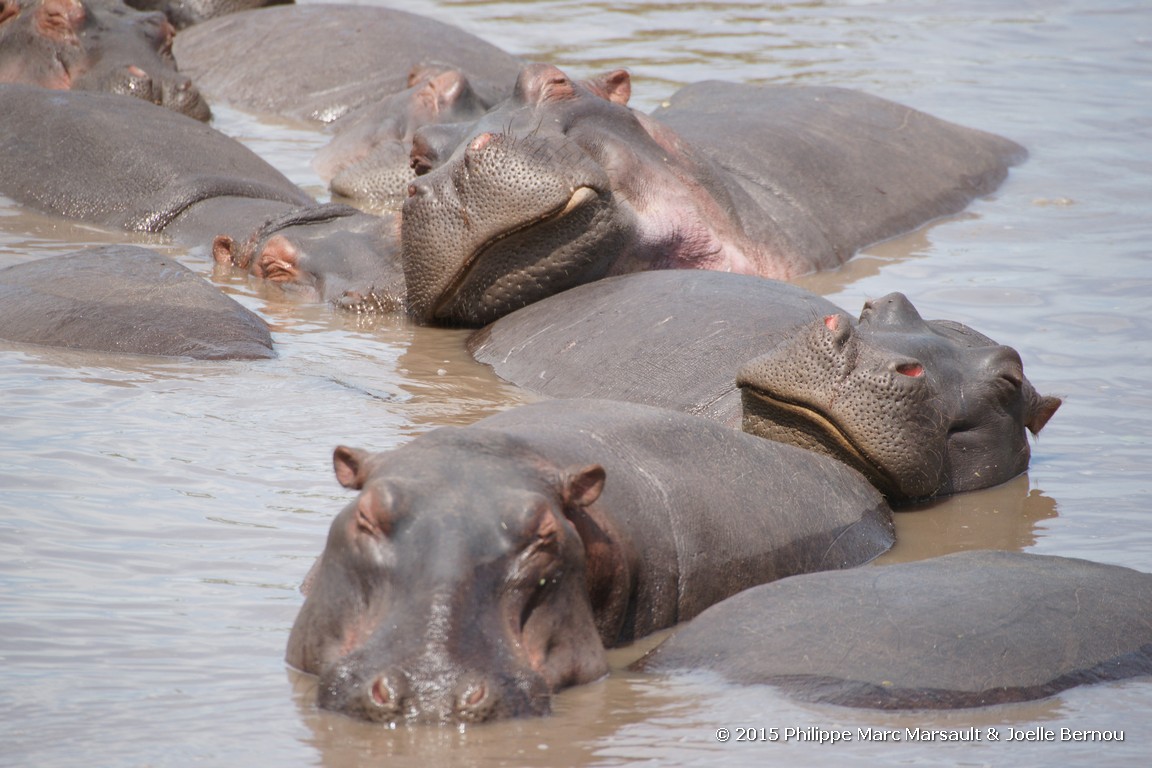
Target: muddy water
x,y
157,516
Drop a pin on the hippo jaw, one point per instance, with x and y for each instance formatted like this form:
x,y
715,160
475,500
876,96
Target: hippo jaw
x,y
506,222
921,409
431,603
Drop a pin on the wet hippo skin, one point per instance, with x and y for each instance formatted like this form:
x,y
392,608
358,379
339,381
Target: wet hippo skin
x,y
963,630
126,300
126,164
922,408
563,183
481,568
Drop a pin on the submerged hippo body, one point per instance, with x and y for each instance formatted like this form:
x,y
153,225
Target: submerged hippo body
x,y
317,63
964,630
482,568
127,300
94,45
921,408
125,164
562,184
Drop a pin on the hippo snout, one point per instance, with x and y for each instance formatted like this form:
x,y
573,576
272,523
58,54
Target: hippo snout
x,y
394,696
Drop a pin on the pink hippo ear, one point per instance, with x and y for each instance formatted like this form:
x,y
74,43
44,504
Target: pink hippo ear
x,y
223,250
60,20
351,466
614,86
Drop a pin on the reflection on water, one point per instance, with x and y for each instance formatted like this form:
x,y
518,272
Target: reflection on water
x,y
156,517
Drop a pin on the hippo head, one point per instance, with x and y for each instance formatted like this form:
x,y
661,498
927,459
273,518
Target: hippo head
x,y
920,408
369,157
327,253
78,45
453,588
550,189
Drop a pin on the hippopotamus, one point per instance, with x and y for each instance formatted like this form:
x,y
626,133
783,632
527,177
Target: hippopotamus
x,y
185,13
128,300
94,45
968,629
319,62
368,156
563,183
922,408
126,164
481,568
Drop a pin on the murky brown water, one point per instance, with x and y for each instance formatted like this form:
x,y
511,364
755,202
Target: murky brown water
x,y
156,517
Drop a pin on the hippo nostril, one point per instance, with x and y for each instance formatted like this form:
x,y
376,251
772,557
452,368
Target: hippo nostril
x,y
913,369
474,700
387,694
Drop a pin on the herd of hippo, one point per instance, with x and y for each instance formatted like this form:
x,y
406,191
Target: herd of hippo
x,y
717,447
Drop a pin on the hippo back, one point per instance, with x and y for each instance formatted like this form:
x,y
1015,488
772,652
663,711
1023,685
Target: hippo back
x,y
793,152
963,630
319,62
126,300
709,510
121,162
671,338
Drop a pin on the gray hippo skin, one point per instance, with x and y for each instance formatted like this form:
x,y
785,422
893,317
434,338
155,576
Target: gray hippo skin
x,y
127,300
317,63
563,184
368,157
94,45
920,408
481,568
185,13
964,630
125,164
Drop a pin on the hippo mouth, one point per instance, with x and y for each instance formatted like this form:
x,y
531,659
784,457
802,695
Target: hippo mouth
x,y
450,297
803,425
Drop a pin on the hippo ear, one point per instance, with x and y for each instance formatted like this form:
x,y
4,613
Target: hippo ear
x,y
350,465
610,560
581,487
60,19
1043,409
223,248
614,86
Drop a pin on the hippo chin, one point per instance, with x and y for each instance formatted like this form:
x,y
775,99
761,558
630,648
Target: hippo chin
x,y
482,568
563,183
95,45
969,629
920,408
